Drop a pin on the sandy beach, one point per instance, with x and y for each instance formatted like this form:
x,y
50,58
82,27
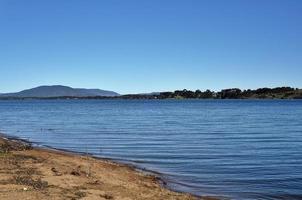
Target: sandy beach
x,y
37,173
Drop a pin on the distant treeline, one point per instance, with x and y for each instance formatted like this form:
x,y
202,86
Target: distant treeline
x,y
233,93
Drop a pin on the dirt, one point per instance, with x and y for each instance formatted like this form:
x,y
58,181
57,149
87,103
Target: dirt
x,y
35,174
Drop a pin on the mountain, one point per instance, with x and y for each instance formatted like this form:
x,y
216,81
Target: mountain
x,y
60,91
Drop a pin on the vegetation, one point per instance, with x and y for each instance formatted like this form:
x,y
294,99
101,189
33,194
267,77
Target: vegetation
x,y
233,93
236,93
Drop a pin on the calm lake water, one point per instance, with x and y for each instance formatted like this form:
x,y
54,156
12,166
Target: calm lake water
x,y
241,149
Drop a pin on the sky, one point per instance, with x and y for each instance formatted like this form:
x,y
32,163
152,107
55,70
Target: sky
x,y
138,46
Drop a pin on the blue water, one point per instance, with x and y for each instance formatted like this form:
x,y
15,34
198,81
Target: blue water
x,y
240,149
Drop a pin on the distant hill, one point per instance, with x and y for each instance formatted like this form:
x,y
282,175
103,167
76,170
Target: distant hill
x,y
59,91
63,92
150,93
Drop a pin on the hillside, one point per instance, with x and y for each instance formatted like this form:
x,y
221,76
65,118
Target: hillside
x,y
59,91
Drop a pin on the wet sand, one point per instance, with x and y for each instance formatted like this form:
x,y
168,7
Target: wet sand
x,y
37,173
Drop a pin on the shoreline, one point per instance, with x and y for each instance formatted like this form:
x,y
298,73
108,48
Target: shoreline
x,y
52,173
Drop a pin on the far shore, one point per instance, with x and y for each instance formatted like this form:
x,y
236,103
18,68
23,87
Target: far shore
x,y
37,173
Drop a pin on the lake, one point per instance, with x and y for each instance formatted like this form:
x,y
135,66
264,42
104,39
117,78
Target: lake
x,y
239,149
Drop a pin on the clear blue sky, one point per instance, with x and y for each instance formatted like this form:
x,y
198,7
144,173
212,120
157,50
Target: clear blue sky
x,y
134,46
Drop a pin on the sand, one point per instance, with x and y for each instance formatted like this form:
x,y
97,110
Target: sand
x,y
37,173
